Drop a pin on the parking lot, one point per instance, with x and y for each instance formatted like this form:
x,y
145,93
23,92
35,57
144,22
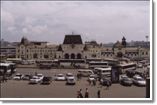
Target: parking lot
x,y
59,89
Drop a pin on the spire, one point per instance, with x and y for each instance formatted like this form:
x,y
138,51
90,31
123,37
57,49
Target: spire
x,y
24,41
124,41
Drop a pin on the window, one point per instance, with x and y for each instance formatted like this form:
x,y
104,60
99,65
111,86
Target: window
x,y
72,56
35,55
94,55
146,53
46,56
66,56
78,56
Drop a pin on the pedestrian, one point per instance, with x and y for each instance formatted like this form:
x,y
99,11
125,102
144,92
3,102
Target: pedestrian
x,y
77,76
98,93
35,73
86,93
94,82
107,85
89,81
80,94
3,79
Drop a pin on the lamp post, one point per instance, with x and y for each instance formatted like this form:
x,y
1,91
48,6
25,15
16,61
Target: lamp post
x,y
138,54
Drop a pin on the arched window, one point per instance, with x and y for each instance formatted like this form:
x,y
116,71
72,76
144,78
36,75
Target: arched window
x,y
66,56
146,53
78,56
72,56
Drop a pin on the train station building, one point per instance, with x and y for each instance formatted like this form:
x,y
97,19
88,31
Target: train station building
x,y
74,48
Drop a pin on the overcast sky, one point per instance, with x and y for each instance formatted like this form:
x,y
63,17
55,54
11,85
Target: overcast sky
x,y
103,21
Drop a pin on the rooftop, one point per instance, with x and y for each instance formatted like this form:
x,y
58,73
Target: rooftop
x,y
72,39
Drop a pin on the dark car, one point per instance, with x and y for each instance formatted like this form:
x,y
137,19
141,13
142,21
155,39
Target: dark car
x,y
26,77
46,80
105,82
130,73
126,81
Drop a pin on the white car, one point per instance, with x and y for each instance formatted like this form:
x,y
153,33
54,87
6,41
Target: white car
x,y
71,81
69,75
123,76
41,76
60,77
18,76
92,77
137,80
139,65
35,80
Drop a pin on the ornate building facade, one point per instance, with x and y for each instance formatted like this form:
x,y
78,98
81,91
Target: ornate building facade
x,y
35,50
74,48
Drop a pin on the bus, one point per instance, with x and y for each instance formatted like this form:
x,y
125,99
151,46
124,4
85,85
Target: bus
x,y
7,68
45,65
85,73
44,61
98,64
14,60
126,67
103,72
27,62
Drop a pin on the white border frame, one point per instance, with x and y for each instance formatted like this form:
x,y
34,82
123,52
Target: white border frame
x,y
151,99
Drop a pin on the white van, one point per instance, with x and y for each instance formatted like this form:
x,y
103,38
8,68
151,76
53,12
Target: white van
x,y
85,73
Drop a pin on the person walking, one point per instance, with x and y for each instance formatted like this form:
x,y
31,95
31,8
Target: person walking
x,y
86,93
94,82
89,81
80,94
98,94
35,73
107,85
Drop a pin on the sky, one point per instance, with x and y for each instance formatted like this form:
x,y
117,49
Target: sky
x,y
102,21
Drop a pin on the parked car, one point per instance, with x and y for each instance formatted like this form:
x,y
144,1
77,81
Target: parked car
x,y
126,81
92,77
71,81
139,65
69,75
60,77
18,76
35,80
26,77
130,73
123,76
46,80
41,76
105,81
139,81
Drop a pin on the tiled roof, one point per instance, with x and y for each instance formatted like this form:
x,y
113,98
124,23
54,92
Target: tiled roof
x,y
72,39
